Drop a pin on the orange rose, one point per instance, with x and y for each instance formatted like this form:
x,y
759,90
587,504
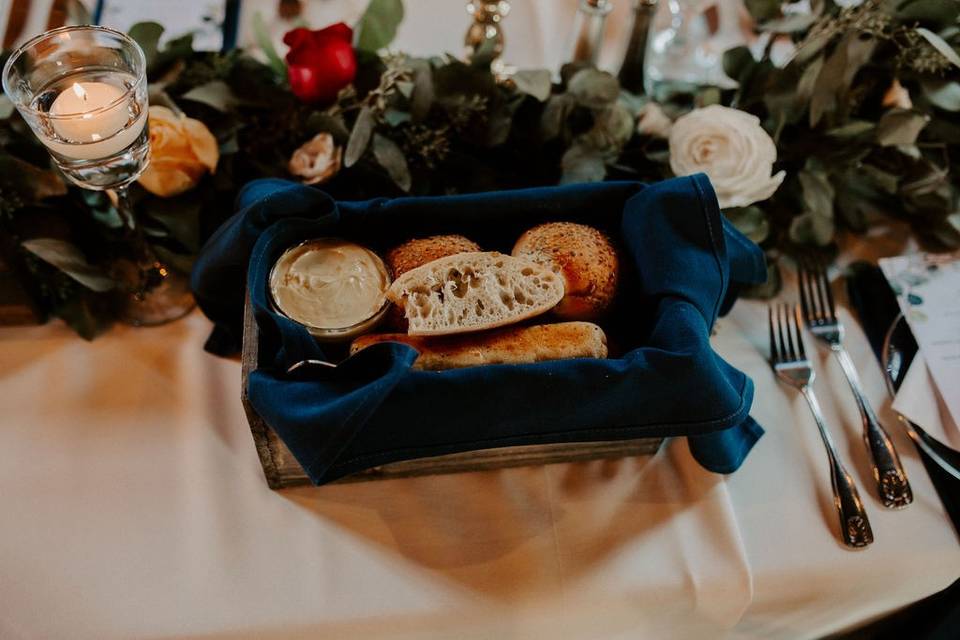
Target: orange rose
x,y
182,150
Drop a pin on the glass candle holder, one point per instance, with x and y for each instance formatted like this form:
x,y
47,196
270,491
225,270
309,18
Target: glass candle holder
x,y
83,92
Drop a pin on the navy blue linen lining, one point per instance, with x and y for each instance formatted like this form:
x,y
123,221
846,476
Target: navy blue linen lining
x,y
375,409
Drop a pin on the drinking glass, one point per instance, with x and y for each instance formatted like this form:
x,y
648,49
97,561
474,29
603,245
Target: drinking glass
x,y
83,92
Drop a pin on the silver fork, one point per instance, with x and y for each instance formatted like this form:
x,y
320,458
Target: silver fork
x,y
820,312
789,360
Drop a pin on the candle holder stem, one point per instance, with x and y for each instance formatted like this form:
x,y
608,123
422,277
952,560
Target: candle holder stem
x,y
159,293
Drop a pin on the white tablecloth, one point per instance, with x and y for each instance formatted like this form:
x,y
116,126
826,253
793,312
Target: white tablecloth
x,y
134,504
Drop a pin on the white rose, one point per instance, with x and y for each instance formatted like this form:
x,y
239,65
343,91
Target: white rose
x,y
652,121
317,160
730,147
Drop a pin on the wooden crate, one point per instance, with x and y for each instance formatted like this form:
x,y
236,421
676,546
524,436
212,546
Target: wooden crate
x,y
282,469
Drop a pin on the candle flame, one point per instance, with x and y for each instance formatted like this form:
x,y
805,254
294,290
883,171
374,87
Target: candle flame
x,y
80,91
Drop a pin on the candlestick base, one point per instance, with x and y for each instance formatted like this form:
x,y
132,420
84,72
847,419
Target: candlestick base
x,y
166,300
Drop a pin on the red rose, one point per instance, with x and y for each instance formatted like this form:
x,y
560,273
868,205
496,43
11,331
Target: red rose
x,y
320,63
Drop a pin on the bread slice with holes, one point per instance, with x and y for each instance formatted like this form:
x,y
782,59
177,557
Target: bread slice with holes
x,y
473,292
508,345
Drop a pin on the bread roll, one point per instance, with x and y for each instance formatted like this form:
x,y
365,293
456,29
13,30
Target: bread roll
x,y
584,257
512,345
419,251
474,292
416,253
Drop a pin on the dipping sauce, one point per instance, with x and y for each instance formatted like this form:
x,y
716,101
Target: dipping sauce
x,y
334,287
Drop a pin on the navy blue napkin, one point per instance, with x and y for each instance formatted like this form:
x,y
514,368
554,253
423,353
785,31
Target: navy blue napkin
x,y
682,265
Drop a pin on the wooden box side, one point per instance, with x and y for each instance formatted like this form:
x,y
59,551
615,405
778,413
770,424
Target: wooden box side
x,y
282,469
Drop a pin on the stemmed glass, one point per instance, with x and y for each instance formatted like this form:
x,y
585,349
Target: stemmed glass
x,y
83,92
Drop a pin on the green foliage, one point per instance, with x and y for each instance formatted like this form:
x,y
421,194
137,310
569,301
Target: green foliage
x,y
441,125
378,24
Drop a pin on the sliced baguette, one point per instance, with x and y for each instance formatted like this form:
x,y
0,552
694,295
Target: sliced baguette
x,y
473,292
510,345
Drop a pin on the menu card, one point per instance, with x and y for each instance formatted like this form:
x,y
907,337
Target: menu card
x,y
928,290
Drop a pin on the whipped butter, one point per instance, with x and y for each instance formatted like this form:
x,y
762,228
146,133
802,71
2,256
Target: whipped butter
x,y
329,284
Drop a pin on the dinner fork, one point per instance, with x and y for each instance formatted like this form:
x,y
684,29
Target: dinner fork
x,y
820,313
789,360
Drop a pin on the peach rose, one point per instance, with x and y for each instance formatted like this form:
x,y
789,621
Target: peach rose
x,y
182,150
317,160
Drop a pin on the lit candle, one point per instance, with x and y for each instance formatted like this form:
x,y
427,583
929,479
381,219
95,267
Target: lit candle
x,y
89,116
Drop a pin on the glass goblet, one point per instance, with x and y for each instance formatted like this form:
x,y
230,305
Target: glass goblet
x,y
83,92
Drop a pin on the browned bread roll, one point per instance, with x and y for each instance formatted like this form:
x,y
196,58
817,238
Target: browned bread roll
x,y
586,259
512,345
419,251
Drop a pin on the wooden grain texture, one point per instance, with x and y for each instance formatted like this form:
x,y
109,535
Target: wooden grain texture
x,y
282,469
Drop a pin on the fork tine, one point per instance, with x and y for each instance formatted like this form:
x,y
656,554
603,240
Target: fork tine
x,y
773,338
796,325
832,308
787,355
785,313
820,279
803,277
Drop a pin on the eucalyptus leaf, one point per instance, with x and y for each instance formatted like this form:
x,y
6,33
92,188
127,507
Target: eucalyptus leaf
x,y
69,259
884,180
147,35
359,137
377,27
395,117
555,115
593,88
750,221
390,157
216,94
816,224
836,76
534,82
942,93
405,87
320,122
939,12
261,33
900,127
852,129
30,182
422,97
737,61
763,10
582,164
940,45
179,216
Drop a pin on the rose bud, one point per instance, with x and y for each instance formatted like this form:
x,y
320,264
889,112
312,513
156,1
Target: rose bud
x,y
320,63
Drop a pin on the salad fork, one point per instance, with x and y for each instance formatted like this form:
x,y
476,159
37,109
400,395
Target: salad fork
x,y
789,360
820,314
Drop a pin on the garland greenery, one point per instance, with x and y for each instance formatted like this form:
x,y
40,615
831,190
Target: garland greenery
x,y
442,125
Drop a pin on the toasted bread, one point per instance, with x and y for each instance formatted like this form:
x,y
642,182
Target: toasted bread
x,y
510,345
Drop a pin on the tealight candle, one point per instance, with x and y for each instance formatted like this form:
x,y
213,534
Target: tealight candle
x,y
91,116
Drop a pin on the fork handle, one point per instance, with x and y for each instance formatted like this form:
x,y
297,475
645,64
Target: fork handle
x,y
854,524
892,484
